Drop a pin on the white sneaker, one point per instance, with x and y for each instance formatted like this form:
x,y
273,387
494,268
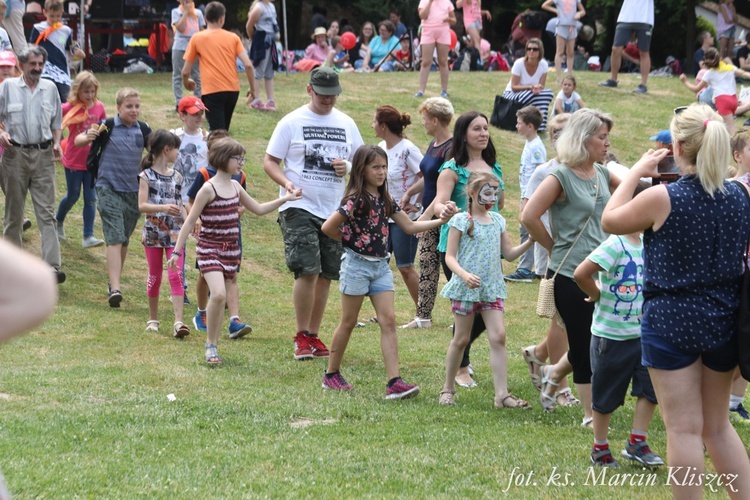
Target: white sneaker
x,y
90,241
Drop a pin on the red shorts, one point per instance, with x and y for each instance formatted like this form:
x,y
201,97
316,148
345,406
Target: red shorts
x,y
726,104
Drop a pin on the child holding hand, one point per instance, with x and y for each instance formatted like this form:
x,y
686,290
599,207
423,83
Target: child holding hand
x,y
477,240
160,198
361,223
217,204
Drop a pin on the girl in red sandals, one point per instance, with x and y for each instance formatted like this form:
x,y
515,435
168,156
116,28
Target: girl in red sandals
x,y
476,241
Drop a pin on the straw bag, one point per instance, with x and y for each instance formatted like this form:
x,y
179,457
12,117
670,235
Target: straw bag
x,y
545,303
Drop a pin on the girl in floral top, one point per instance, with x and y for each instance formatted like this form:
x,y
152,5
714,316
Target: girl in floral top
x,y
361,223
160,198
476,242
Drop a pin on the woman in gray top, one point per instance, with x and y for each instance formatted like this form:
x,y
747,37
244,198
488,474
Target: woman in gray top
x,y
575,194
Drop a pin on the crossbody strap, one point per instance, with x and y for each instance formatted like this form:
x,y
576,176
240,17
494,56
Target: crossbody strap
x,y
596,196
747,196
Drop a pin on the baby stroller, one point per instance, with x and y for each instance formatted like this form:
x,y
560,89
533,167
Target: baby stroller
x,y
526,25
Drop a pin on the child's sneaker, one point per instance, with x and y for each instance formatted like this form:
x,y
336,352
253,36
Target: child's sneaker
x,y
258,104
520,276
603,458
319,349
641,453
336,383
271,106
302,348
739,414
238,329
199,321
88,241
401,390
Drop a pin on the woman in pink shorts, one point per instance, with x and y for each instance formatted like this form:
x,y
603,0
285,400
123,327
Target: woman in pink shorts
x,y
437,17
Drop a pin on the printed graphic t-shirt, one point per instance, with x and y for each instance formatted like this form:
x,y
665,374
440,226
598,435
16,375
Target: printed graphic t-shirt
x,y
307,143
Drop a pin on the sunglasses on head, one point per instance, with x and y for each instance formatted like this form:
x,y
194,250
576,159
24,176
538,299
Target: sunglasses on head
x,y
680,109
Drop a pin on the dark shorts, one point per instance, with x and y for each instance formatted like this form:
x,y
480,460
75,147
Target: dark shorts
x,y
614,363
307,250
404,246
662,354
119,213
642,31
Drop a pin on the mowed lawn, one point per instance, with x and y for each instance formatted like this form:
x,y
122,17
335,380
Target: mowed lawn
x,y
83,399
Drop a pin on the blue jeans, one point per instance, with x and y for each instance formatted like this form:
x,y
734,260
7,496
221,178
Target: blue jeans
x,y
386,66
75,179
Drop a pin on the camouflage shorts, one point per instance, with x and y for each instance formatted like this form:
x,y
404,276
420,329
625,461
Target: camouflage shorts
x,y
119,213
307,250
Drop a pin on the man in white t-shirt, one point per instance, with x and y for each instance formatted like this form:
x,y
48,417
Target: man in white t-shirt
x,y
316,142
636,18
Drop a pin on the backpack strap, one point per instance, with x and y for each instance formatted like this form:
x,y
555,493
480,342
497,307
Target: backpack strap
x,y
204,172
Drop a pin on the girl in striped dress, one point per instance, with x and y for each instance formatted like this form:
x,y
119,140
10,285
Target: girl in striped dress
x,y
217,204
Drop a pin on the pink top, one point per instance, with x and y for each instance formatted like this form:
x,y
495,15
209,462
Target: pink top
x,y
472,12
316,52
439,12
74,157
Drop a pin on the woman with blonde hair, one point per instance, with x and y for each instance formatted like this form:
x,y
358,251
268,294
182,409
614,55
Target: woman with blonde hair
x,y
695,236
575,194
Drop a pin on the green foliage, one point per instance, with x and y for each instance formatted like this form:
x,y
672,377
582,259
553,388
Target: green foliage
x,y
701,25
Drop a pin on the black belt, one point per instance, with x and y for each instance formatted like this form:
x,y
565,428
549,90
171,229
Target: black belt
x,y
41,145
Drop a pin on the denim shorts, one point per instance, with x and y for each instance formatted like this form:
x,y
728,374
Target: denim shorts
x,y
614,363
465,308
307,250
662,354
360,276
404,246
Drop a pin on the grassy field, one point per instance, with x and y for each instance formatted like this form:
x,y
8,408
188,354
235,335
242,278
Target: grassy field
x,y
83,400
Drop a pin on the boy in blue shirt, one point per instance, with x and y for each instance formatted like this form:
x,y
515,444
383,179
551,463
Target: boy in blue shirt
x,y
237,329
616,345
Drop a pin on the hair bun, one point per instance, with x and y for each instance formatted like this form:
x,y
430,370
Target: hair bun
x,y
405,119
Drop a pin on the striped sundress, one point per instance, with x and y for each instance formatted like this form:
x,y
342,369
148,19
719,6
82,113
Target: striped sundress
x,y
217,249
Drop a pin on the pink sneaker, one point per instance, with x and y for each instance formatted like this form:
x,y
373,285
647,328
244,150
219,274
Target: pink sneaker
x,y
258,104
401,390
271,105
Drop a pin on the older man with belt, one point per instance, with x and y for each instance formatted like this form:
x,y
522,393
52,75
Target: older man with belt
x,y
30,108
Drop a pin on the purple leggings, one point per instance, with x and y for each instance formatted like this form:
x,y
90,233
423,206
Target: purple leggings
x,y
156,270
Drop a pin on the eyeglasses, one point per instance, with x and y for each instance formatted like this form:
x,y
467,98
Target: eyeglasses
x,y
532,49
240,159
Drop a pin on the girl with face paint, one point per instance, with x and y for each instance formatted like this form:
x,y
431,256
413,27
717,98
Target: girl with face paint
x,y
477,240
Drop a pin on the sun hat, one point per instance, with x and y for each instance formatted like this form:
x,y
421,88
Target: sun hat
x,y
320,30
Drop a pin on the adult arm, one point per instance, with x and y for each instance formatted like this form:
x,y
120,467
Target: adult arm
x,y
252,19
515,84
445,184
546,194
625,214
272,168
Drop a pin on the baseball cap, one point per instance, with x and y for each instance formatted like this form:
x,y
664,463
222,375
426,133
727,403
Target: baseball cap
x,y
191,105
7,58
325,81
663,136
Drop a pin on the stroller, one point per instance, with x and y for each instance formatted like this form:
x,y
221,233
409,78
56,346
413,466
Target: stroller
x,y
526,25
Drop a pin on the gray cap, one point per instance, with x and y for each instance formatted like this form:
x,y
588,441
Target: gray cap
x,y
325,81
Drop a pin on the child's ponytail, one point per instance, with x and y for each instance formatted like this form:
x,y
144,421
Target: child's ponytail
x,y
158,141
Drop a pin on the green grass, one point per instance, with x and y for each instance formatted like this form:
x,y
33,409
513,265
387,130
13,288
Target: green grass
x,y
83,399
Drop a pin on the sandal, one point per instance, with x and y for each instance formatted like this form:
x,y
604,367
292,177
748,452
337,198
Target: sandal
x,y
588,423
181,330
535,366
212,358
467,385
566,398
515,402
374,319
418,323
152,325
548,402
446,398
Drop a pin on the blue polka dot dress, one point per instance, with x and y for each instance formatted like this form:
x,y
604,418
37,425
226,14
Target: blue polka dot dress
x,y
693,265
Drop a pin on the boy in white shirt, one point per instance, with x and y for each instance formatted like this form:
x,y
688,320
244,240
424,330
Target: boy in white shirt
x,y
528,121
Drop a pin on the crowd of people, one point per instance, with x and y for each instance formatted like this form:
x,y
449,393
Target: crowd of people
x,y
630,306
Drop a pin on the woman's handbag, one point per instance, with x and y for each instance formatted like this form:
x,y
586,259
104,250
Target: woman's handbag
x,y
545,303
743,316
504,113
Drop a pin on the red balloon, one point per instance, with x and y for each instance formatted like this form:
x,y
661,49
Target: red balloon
x,y
454,39
348,40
